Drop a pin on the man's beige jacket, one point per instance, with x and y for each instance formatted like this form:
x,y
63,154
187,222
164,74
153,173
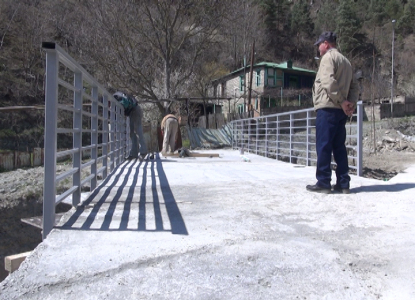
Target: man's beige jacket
x,y
334,81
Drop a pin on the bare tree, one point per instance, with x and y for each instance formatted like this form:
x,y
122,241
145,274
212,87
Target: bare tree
x,y
149,48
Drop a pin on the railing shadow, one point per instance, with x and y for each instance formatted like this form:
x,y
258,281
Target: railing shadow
x,y
107,200
383,188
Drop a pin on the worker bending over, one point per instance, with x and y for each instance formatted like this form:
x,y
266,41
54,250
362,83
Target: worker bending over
x,y
135,114
169,128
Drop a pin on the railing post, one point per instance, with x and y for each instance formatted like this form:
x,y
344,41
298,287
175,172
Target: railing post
x,y
291,135
112,135
308,133
105,136
359,138
257,137
94,136
77,137
117,136
126,137
51,111
248,122
266,137
238,134
277,140
233,134
122,140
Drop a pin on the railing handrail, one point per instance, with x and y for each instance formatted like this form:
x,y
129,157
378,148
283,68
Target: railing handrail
x,y
246,134
113,133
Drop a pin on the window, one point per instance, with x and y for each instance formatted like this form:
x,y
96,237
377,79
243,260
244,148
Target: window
x,y
279,78
258,77
242,83
241,108
270,77
221,90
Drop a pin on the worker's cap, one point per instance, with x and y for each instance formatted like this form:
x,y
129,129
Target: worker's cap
x,y
118,96
326,36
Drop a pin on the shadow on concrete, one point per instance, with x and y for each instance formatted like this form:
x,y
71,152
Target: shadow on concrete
x,y
130,169
383,188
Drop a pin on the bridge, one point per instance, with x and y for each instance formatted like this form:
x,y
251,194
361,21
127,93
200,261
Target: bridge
x,y
233,225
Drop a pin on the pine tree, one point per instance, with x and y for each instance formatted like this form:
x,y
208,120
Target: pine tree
x,y
326,16
301,23
269,9
377,14
276,20
302,27
406,23
394,9
347,27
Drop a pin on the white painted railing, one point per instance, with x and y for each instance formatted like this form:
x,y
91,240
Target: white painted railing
x,y
78,109
290,137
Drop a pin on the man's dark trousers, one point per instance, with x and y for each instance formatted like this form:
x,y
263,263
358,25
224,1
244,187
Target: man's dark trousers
x,y
331,138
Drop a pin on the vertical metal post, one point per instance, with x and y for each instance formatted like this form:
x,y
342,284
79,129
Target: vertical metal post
x,y
124,139
77,137
277,146
94,136
266,137
51,111
248,122
127,137
233,134
257,137
117,135
308,133
359,138
392,83
291,135
123,146
112,135
105,136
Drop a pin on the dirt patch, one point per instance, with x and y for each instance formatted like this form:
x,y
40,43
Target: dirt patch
x,y
386,165
387,147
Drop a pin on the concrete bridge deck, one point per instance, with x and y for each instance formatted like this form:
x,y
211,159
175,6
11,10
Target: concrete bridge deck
x,y
224,228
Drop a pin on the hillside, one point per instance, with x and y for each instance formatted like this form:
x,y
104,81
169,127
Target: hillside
x,y
160,50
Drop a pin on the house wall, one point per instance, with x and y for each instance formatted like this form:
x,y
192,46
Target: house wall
x,y
231,87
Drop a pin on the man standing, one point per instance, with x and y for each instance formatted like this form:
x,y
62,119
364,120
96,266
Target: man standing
x,y
135,114
169,127
334,97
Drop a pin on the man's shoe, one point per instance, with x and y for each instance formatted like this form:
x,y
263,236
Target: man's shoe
x,y
338,189
318,189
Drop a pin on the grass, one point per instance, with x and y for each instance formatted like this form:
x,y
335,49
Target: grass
x,y
186,144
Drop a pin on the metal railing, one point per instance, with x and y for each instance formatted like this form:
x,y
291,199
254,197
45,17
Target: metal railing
x,y
290,137
78,111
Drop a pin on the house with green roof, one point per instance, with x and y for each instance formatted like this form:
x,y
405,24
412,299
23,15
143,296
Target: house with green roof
x,y
275,88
